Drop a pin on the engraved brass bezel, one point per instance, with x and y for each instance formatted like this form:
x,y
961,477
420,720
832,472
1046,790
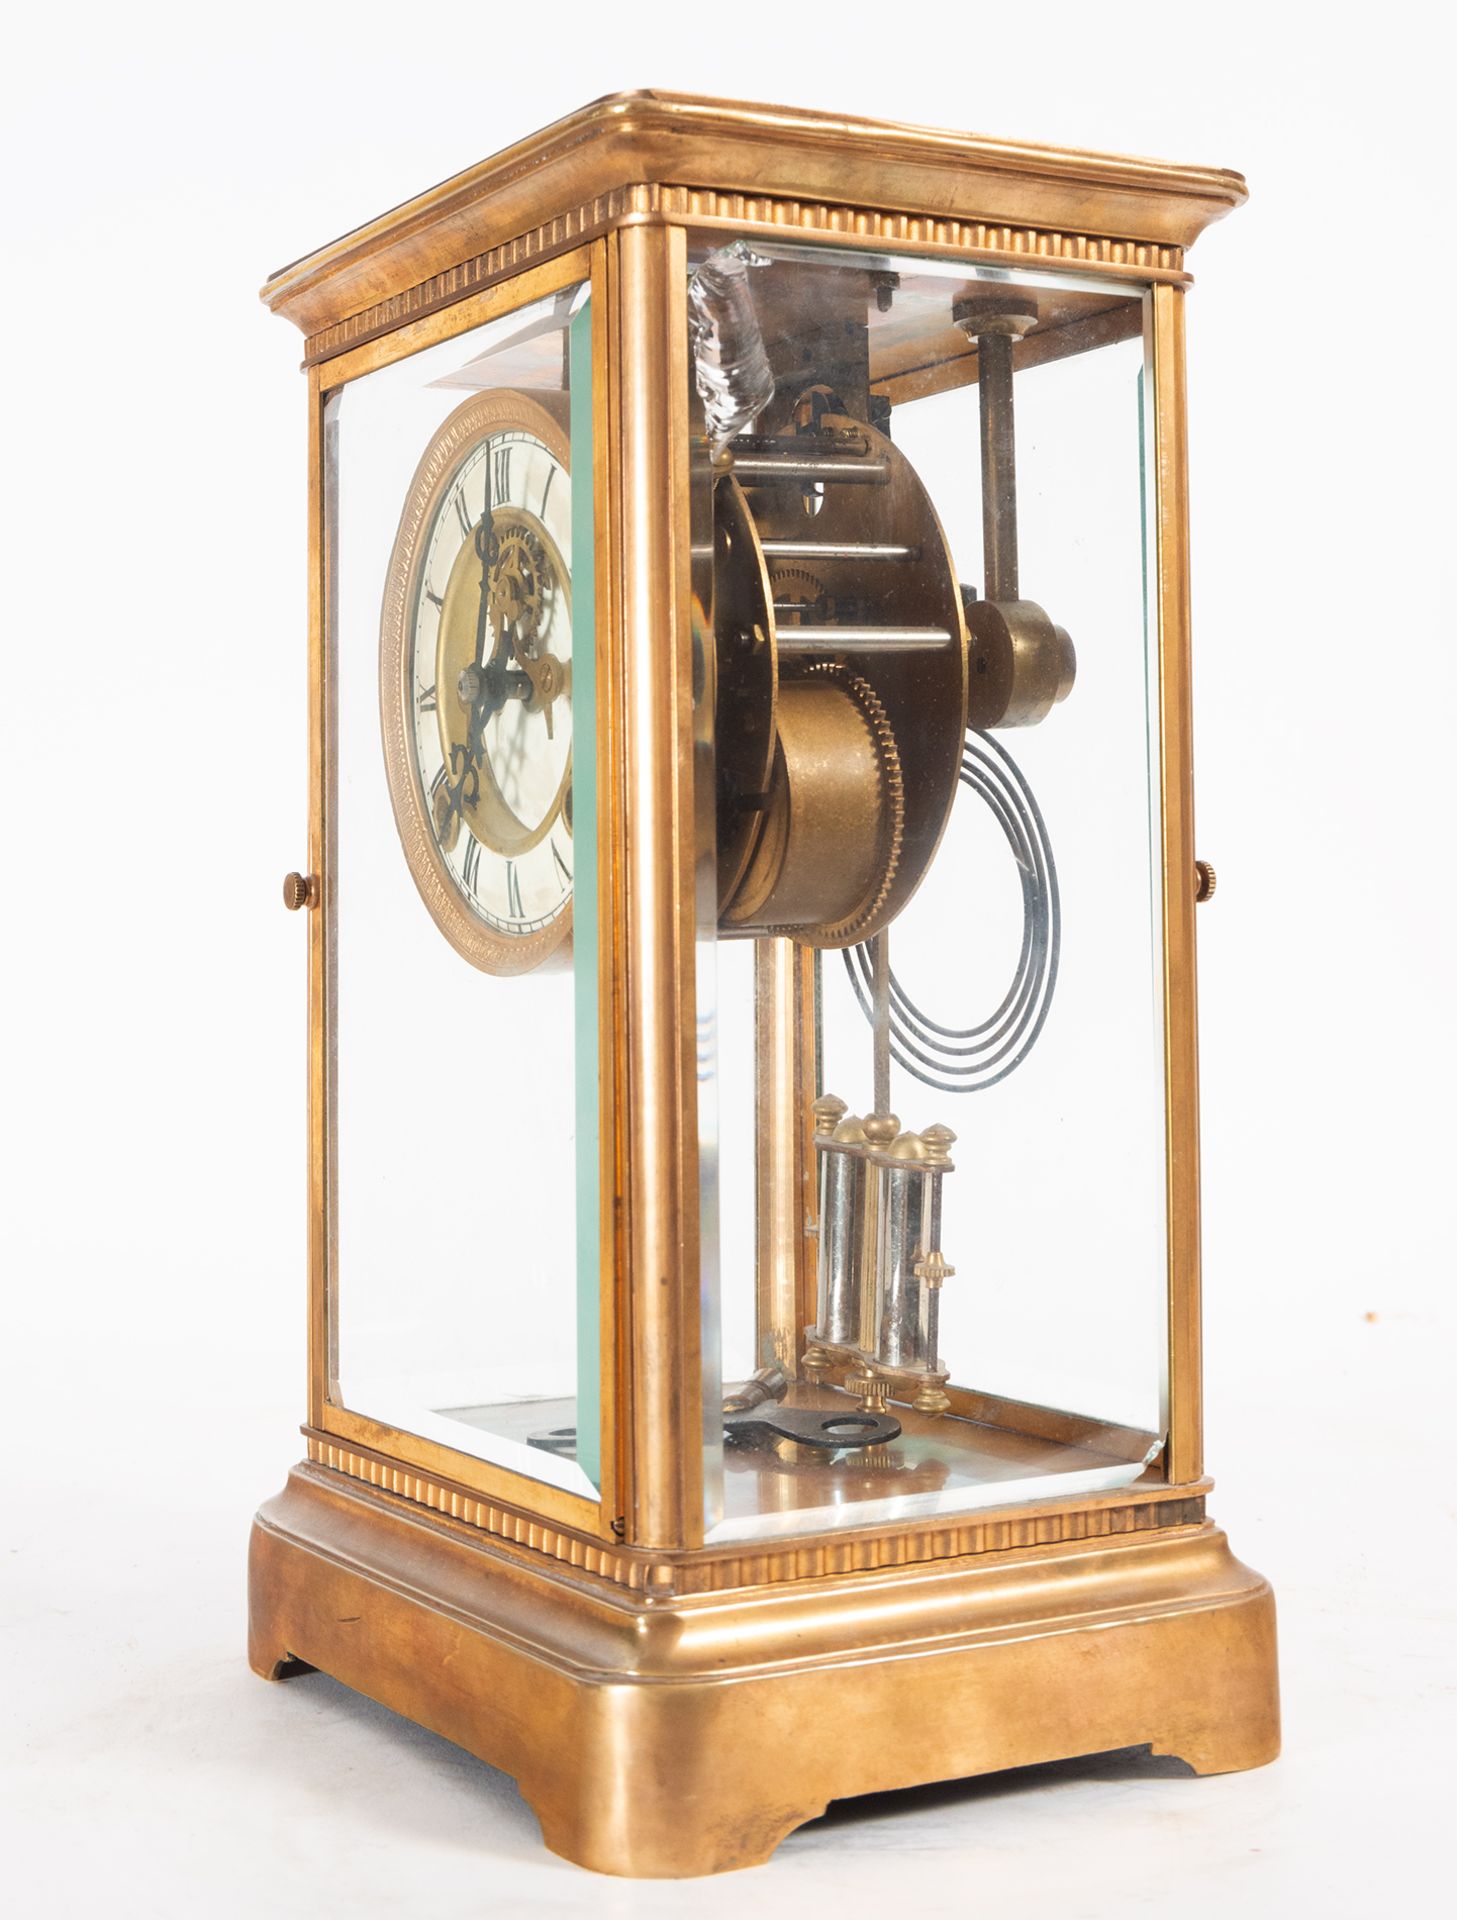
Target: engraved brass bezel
x,y
478,418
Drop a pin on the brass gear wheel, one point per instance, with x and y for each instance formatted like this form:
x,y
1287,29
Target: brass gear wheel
x,y
797,584
520,582
888,754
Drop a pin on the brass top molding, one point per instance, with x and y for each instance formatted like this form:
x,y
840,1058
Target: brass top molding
x,y
754,216
658,139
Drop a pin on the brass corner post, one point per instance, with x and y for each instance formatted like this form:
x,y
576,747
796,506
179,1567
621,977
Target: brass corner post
x,y
323,1167
1185,1460
665,1450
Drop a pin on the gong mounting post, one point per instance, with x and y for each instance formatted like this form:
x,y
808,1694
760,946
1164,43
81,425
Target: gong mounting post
x,y
996,324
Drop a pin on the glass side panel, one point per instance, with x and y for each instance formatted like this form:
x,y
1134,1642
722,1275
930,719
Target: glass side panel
x,y
465,1282
933,1064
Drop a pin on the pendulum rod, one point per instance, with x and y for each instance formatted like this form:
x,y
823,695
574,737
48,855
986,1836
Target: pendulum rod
x,y
880,1022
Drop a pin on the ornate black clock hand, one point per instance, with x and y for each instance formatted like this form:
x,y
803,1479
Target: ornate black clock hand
x,y
487,549
461,787
482,687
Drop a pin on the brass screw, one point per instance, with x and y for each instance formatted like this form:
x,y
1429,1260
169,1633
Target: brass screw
x,y
1204,882
298,891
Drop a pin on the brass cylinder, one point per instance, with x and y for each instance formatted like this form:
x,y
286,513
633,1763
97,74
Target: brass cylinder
x,y
1022,664
822,848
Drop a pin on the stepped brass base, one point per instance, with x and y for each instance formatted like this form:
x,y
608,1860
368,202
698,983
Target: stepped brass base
x,y
668,1737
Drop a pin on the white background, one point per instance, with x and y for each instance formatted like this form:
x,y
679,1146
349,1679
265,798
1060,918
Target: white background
x,y
158,162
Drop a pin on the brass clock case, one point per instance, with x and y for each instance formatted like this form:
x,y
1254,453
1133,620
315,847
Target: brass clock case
x,y
621,1650
526,550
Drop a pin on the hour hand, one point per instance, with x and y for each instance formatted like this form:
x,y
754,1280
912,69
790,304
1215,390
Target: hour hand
x,y
457,787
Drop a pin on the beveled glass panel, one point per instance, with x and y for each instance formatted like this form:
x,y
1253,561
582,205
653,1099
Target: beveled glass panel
x,y
937,776
463,658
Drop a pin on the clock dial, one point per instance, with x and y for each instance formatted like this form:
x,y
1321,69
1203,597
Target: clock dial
x,y
476,678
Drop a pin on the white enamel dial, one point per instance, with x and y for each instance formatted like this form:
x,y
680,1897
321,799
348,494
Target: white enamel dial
x,y
478,649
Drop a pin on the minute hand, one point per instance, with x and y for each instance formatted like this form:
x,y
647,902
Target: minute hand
x,y
486,552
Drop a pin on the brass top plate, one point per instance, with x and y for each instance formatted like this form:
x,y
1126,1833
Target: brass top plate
x,y
657,138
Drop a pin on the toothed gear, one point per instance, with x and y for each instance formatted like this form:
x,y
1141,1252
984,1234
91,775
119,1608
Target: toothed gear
x,y
796,583
519,585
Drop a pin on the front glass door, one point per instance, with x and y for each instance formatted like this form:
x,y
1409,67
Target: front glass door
x,y
463,1289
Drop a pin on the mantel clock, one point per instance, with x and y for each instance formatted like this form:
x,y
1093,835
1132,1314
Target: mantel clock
x,y
753,1197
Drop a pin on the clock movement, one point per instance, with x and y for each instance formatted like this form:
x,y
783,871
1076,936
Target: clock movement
x,y
753,1180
